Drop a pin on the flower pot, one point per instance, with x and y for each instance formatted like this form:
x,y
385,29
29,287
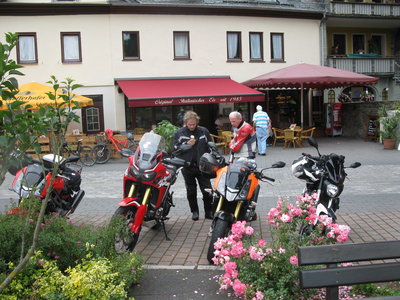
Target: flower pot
x,y
389,144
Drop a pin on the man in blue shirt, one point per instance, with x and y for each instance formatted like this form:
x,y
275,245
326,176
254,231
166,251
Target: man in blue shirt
x,y
261,122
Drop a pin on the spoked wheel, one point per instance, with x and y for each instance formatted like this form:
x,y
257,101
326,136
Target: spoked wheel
x,y
87,155
125,239
102,153
220,230
132,145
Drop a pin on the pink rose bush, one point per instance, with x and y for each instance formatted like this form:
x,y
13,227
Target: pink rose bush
x,y
255,269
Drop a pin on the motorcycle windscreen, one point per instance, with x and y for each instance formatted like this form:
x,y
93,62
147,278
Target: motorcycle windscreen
x,y
235,180
149,146
335,168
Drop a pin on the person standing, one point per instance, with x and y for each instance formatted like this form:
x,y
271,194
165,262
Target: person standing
x,y
243,143
198,137
262,122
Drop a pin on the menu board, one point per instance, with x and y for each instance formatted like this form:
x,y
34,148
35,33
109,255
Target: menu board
x,y
372,127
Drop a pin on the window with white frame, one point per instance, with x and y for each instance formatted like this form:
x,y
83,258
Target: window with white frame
x,y
27,48
234,45
71,47
256,46
181,45
277,50
93,119
130,42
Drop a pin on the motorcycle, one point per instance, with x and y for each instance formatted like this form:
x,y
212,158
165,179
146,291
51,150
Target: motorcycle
x,y
235,191
35,178
324,176
146,189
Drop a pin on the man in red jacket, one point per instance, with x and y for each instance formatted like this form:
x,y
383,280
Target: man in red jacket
x,y
244,139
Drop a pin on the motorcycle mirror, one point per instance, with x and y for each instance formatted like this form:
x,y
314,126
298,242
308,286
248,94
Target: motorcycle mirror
x,y
313,142
278,164
125,152
130,136
355,165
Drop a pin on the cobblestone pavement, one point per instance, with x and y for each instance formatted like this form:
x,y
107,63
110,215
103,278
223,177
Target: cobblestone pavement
x,y
369,202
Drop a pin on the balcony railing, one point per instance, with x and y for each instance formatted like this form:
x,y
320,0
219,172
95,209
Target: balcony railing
x,y
365,9
377,66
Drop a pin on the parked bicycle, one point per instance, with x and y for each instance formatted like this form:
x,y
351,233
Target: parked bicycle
x,y
86,154
103,150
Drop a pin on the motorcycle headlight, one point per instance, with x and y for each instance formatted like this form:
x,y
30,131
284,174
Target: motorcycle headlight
x,y
149,176
332,190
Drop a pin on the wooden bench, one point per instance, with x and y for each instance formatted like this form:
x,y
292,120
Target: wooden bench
x,y
334,276
220,141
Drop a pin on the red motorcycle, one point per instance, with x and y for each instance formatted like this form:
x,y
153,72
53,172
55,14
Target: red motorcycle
x,y
35,178
146,190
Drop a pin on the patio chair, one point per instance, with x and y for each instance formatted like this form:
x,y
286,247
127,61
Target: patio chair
x,y
290,138
220,141
305,134
278,135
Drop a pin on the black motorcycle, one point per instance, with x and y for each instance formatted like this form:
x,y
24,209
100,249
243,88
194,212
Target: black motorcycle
x,y
324,175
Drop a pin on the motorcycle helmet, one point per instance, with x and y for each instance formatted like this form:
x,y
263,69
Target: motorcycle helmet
x,y
298,167
208,164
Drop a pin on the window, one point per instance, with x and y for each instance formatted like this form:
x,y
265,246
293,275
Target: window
x,y
27,48
93,119
130,45
277,53
358,43
234,41
376,44
181,45
338,44
256,46
71,47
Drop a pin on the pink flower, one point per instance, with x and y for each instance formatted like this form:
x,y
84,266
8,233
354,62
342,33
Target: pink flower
x,y
259,296
41,262
281,250
285,218
238,287
30,220
293,260
249,230
262,243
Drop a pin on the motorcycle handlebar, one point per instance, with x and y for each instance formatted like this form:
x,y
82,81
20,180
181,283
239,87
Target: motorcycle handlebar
x,y
268,178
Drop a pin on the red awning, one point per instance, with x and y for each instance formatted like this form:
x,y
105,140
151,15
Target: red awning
x,y
186,91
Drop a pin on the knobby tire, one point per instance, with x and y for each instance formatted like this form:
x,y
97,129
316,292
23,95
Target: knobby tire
x,y
125,239
221,230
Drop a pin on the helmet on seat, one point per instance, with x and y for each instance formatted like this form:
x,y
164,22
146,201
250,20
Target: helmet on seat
x,y
208,164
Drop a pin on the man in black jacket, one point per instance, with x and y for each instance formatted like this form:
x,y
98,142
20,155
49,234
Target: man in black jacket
x,y
198,137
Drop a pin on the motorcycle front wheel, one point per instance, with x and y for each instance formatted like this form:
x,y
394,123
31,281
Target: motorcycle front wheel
x,y
103,153
125,239
221,229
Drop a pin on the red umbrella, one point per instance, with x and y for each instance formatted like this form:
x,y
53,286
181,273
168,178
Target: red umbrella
x,y
309,76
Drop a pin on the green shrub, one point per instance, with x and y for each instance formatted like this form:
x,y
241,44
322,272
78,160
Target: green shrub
x,y
82,258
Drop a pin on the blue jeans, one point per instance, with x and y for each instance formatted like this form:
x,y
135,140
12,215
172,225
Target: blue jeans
x,y
261,133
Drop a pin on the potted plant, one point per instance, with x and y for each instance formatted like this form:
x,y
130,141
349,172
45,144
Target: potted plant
x,y
167,131
389,123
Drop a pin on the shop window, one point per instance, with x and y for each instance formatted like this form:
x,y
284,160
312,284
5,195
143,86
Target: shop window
x,y
331,96
256,46
71,47
27,48
130,45
277,50
234,45
181,45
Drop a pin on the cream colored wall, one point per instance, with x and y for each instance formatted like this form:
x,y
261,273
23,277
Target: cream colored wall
x,y
101,38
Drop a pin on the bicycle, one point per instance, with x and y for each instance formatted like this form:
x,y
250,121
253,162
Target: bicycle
x,y
103,150
85,153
